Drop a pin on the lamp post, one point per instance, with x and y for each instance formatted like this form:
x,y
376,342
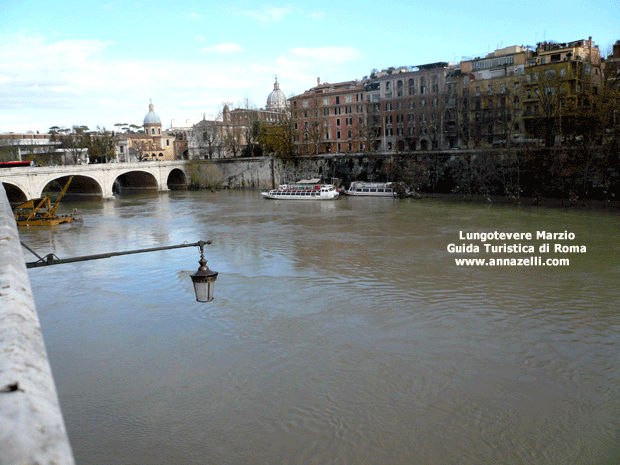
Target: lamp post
x,y
203,278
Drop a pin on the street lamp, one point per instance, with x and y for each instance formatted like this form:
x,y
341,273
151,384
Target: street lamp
x,y
203,278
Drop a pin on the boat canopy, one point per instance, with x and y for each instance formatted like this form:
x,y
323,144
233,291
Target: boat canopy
x,y
309,181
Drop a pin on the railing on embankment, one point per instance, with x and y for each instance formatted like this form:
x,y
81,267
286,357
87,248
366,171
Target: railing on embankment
x,y
32,429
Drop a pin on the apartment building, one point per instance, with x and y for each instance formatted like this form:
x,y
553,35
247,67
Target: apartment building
x,y
330,118
612,66
555,75
489,92
397,109
497,100
415,103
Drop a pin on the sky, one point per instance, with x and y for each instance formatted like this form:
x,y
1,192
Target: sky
x,y
98,64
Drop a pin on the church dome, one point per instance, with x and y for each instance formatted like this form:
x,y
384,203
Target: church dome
x,y
152,117
276,100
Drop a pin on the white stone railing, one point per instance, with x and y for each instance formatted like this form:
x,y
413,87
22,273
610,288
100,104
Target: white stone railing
x,y
32,429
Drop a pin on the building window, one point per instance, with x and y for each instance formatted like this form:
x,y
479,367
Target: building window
x,y
411,87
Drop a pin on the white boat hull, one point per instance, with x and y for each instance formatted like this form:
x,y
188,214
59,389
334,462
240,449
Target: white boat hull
x,y
280,195
325,192
364,189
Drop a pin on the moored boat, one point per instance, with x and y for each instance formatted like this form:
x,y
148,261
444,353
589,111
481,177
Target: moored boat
x,y
303,190
371,189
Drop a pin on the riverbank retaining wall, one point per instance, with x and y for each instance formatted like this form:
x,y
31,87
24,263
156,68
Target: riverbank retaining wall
x,y
32,429
242,173
268,172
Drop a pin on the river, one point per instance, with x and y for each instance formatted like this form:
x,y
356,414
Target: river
x,y
341,332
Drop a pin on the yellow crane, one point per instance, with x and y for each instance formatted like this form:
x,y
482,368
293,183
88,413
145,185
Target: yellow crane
x,y
40,212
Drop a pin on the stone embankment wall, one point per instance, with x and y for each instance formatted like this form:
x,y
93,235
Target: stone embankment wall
x,y
242,173
267,172
346,168
32,429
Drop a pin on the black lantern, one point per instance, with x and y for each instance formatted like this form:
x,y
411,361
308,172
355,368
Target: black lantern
x,y
203,278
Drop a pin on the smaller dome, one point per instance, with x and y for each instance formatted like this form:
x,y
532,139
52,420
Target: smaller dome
x,y
276,100
152,117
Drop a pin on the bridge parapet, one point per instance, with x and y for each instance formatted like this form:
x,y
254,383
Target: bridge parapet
x,y
32,428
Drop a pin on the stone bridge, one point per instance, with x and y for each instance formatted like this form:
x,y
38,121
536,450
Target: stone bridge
x,y
97,180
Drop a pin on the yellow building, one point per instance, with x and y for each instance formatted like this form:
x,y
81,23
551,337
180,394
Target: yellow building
x,y
153,144
554,78
490,111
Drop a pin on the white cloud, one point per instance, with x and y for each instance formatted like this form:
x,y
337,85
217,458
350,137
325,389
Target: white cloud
x,y
267,14
47,81
225,47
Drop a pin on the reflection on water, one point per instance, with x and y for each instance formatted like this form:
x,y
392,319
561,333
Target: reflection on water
x,y
342,332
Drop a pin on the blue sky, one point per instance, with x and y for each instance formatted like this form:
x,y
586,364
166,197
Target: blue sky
x,y
67,62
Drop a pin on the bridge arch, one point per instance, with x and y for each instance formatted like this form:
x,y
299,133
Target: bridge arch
x,y
177,179
81,186
136,179
15,194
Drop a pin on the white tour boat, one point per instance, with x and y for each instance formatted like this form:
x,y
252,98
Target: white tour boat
x,y
309,189
371,189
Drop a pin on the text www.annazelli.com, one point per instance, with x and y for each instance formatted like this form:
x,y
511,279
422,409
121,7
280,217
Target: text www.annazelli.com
x,y
528,261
